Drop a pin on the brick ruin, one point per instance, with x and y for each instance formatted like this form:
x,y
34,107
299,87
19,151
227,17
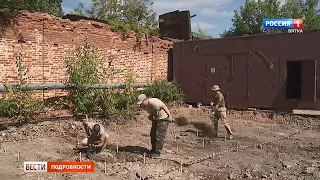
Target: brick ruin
x,y
44,41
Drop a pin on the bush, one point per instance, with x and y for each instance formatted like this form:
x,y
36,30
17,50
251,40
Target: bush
x,y
61,103
84,67
19,101
167,92
115,102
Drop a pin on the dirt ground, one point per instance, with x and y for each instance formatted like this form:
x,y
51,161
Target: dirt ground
x,y
296,157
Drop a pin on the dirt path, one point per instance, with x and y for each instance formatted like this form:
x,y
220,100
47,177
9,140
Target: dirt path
x,y
295,158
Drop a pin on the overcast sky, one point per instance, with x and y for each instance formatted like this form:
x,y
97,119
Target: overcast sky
x,y
214,16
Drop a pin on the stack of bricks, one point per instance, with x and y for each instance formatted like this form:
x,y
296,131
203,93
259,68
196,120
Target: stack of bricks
x,y
44,41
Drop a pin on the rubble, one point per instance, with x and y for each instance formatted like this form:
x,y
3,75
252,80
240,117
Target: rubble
x,y
309,170
289,164
247,175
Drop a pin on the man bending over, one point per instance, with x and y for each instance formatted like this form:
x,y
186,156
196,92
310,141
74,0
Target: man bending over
x,y
97,136
160,117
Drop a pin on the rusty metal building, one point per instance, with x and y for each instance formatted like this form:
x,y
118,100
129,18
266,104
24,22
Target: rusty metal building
x,y
175,24
264,71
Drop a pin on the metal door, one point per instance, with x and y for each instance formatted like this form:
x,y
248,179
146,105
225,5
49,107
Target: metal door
x,y
212,78
237,93
216,74
191,79
262,81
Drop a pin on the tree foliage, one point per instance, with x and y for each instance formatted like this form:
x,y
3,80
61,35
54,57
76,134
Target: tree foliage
x,y
249,18
127,15
312,14
84,66
9,8
201,34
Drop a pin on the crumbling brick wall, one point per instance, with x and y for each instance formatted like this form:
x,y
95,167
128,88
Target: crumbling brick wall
x,y
44,41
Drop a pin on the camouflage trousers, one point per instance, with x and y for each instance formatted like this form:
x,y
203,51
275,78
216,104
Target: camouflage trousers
x,y
220,115
158,134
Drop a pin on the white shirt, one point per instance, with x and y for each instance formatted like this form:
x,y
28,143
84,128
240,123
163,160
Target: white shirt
x,y
102,130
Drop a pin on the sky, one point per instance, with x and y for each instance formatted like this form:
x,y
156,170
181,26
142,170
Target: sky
x,y
213,16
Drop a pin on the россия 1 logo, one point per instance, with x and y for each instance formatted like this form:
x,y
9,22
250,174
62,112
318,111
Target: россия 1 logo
x,y
293,25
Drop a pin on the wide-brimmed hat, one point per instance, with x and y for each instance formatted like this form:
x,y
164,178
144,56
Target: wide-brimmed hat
x,y
141,98
215,88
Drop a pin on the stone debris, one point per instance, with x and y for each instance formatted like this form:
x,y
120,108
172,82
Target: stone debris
x,y
309,170
247,175
289,164
264,176
232,176
259,146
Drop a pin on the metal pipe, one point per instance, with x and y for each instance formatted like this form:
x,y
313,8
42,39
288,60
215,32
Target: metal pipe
x,y
30,87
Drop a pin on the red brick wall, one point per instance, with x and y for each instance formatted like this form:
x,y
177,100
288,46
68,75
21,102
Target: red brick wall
x,y
45,40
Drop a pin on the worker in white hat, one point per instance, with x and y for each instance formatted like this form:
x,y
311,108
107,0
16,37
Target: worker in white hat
x,y
160,117
220,112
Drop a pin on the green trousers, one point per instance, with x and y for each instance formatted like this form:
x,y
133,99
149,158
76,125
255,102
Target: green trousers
x,y
158,134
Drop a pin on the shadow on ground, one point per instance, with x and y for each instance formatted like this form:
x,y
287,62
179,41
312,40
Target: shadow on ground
x,y
134,149
170,160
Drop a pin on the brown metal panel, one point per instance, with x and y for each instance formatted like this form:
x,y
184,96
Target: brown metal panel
x,y
216,71
308,86
169,24
176,61
170,65
237,82
295,47
210,53
224,75
191,73
263,77
248,81
238,77
175,25
230,66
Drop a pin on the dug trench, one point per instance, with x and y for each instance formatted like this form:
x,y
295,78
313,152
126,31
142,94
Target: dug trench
x,y
191,138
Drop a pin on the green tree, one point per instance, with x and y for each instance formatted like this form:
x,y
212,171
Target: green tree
x,y
292,9
129,14
311,14
248,20
84,67
270,9
201,34
11,7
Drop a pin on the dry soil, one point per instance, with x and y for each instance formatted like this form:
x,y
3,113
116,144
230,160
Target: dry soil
x,y
296,157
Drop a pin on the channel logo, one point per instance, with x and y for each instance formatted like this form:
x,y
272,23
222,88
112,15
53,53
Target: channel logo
x,y
283,23
35,166
58,166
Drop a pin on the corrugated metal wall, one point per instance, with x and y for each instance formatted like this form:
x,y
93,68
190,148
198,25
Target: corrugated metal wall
x,y
251,70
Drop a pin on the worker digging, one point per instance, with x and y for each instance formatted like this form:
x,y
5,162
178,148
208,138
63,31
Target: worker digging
x,y
219,112
96,139
160,116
